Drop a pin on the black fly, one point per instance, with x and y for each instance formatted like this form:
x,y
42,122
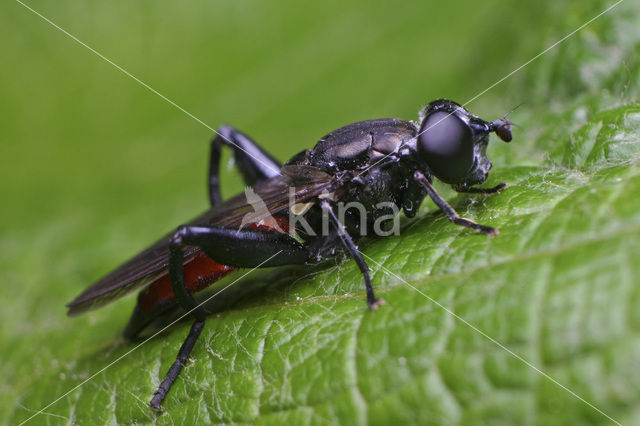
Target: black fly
x,y
388,162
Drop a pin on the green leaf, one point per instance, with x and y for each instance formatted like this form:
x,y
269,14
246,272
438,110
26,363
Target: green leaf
x,y
557,288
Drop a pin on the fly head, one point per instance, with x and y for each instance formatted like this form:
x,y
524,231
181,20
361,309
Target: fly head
x,y
452,142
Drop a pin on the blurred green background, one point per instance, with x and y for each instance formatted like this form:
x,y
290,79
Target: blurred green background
x,y
79,136
94,166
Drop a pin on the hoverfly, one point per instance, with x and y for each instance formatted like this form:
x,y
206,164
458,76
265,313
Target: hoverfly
x,y
385,160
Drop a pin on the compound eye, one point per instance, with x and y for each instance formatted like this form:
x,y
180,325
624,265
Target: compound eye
x,y
446,144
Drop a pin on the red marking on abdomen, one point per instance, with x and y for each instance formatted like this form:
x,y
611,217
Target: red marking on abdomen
x,y
199,273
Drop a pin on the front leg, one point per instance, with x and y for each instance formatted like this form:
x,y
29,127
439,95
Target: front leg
x,y
254,163
449,212
472,190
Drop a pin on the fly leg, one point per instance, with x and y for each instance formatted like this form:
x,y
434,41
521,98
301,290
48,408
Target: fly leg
x,y
471,190
176,367
254,163
351,247
245,248
451,214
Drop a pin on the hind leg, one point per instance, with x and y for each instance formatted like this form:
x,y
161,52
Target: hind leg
x,y
246,248
254,163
